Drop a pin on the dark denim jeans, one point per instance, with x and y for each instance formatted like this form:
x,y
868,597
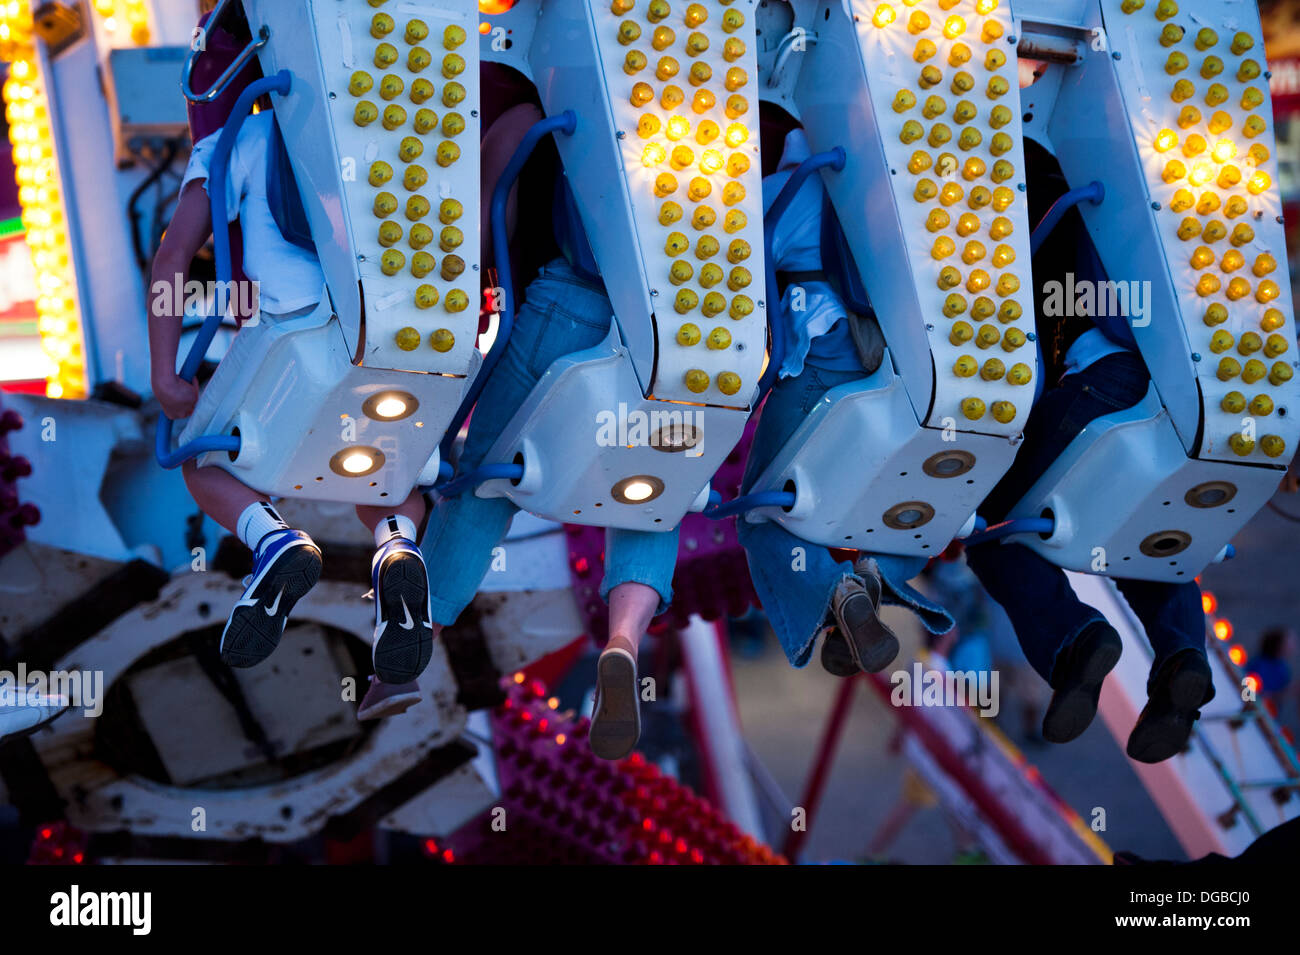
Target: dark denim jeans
x,y
1046,613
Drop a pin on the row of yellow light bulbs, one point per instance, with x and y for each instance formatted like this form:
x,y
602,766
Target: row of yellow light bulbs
x,y
134,12
46,238
953,27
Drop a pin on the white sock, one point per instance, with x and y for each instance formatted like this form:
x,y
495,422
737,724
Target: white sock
x,y
256,522
394,525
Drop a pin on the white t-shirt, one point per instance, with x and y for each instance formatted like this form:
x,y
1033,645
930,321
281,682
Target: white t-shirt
x,y
288,278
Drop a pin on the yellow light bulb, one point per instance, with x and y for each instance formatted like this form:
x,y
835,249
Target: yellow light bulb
x,y
883,16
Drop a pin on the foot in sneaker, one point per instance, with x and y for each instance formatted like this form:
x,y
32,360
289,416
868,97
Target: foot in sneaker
x,y
403,643
1080,670
837,659
387,699
856,606
286,565
24,710
616,715
1174,704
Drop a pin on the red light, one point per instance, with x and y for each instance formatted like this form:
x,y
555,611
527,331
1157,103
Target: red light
x,y
78,858
1254,682
1237,654
1208,603
47,833
1223,629
648,824
448,856
493,7
581,566
431,847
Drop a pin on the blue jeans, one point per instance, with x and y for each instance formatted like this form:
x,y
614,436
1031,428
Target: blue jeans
x,y
1037,596
796,579
561,314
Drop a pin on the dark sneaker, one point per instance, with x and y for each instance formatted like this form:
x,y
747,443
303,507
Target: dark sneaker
x,y
837,659
855,605
616,716
1174,703
403,642
287,565
387,699
1080,671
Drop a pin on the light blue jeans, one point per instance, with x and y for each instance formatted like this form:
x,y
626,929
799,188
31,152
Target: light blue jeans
x,y
560,314
794,578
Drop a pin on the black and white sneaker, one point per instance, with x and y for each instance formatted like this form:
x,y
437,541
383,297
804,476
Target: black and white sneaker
x,y
403,643
288,564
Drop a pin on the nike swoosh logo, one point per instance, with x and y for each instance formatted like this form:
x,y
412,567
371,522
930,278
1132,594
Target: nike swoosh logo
x,y
270,611
409,622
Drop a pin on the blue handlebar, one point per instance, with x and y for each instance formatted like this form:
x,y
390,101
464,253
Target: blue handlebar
x,y
1093,192
167,458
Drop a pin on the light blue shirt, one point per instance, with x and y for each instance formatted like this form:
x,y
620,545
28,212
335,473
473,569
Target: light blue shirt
x,y
1089,348
812,308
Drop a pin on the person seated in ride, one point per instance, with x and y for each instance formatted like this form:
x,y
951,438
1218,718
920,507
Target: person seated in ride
x,y
826,346
1094,369
564,309
289,284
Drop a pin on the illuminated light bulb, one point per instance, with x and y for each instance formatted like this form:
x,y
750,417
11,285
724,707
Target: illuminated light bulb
x,y
1242,42
1176,63
685,301
967,224
1254,126
1002,199
1241,444
942,248
960,333
918,22
646,126
1235,206
710,275
1238,288
741,307
706,247
1173,171
1253,371
972,169
1280,373
978,281
924,50
702,102
930,76
634,62
954,305
1228,369
1208,285
672,97
883,16
938,219
422,263
1267,292
1188,117
1221,341
959,55
1234,402
696,14
426,296
1214,231
426,120
988,336
707,132
666,68
714,303
953,27
1275,345
948,278
1272,320
737,134
1003,256
965,367
919,162
1248,70
946,164
1251,98
735,79
1219,122
662,38
407,339
1264,264
733,49
985,7
699,73
681,157
1272,445
1232,261
951,193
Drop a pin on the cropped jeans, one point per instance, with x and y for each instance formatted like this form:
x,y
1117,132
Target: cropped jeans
x,y
794,578
561,314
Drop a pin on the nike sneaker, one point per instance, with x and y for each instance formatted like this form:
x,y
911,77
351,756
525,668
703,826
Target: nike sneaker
x,y
286,565
403,643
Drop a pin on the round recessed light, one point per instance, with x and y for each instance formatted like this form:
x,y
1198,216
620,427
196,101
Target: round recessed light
x,y
637,489
390,406
357,462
